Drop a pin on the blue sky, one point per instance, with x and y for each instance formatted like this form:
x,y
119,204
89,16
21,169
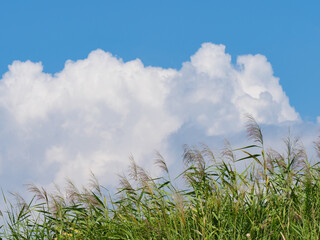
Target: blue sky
x,y
165,73
165,33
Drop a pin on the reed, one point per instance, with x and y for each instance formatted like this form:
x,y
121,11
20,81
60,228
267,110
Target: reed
x,y
276,197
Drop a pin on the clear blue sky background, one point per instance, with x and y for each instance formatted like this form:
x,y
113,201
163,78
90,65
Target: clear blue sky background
x,y
166,33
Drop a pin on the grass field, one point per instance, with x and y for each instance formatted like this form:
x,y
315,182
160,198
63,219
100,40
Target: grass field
x,y
276,197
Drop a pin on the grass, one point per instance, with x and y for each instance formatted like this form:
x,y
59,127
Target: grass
x,y
276,197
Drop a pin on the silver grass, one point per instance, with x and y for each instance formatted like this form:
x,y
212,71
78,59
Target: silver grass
x,y
253,130
227,152
160,162
317,146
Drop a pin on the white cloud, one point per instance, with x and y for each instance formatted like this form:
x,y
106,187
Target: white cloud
x,y
215,94
97,111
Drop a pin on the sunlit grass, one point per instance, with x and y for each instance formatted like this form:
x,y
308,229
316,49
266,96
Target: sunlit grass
x,y
277,196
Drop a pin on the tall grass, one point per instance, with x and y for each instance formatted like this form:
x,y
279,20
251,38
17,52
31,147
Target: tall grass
x,y
277,196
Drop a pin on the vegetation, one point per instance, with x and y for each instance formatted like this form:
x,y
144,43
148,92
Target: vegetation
x,y
277,196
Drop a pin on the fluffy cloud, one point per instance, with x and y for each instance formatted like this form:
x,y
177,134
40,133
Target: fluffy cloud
x,y
210,91
97,111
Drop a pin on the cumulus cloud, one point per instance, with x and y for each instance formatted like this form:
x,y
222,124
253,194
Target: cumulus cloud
x,y
215,94
96,112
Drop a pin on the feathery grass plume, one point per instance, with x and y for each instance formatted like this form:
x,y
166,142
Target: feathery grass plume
x,y
88,198
193,156
40,194
188,155
20,201
276,159
139,174
57,200
195,174
317,146
273,158
144,176
253,130
295,152
125,183
207,153
57,194
133,169
227,151
72,193
161,163
94,183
